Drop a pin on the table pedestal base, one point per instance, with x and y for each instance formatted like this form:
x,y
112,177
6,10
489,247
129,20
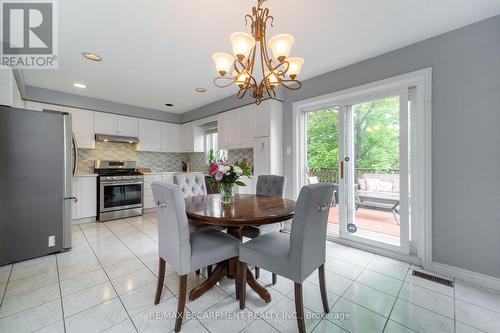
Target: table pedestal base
x,y
224,269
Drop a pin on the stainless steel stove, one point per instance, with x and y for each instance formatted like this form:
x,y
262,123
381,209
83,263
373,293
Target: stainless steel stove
x,y
120,190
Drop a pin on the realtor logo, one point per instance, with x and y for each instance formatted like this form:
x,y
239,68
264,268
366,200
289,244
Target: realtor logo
x,y
29,34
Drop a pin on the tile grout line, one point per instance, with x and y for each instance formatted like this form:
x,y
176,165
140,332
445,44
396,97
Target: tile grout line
x,y
118,296
133,226
7,284
60,294
395,301
136,256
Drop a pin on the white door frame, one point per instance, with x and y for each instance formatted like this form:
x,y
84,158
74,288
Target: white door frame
x,y
421,179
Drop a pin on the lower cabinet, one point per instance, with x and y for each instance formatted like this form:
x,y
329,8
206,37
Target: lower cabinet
x,y
250,185
85,189
149,201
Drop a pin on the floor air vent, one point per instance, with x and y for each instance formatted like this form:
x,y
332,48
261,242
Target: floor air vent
x,y
433,278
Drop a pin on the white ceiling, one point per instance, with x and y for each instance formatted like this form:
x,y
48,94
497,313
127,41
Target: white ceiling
x,y
158,52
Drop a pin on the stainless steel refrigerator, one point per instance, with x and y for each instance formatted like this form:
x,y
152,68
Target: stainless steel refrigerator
x,y
36,164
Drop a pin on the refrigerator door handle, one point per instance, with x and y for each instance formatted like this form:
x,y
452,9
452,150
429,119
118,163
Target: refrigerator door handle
x,y
75,199
75,154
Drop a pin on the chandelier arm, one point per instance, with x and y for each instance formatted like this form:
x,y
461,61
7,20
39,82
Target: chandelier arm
x,y
221,78
248,16
288,84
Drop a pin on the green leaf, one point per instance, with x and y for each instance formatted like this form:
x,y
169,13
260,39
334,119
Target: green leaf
x,y
239,183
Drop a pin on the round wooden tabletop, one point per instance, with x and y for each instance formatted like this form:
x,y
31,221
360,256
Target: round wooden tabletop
x,y
246,210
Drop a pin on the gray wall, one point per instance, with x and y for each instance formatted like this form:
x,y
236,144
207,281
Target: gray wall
x,y
465,129
43,95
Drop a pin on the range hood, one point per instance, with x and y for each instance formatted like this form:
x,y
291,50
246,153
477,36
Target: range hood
x,y
116,138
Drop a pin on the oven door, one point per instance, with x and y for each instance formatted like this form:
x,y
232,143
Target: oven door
x,y
117,195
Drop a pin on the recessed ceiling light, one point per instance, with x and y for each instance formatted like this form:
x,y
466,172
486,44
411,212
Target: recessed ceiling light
x,y
91,56
201,90
169,104
79,85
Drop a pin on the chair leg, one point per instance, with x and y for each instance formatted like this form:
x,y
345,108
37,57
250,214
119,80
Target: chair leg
x,y
322,287
243,284
181,302
209,270
274,279
299,308
197,272
257,272
161,278
237,281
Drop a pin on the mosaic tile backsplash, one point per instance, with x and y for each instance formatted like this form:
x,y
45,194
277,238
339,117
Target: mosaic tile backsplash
x,y
158,162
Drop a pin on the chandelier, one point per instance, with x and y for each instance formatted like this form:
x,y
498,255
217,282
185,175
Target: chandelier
x,y
241,70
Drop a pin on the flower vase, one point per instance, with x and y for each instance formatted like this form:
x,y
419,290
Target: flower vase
x,y
227,193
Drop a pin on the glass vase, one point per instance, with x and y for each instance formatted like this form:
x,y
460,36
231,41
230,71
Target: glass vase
x,y
227,192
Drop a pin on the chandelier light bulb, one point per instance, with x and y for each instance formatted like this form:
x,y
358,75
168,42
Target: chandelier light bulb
x,y
294,67
281,45
223,62
271,79
241,79
242,44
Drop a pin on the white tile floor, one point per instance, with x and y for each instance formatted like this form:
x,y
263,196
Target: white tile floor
x,y
106,283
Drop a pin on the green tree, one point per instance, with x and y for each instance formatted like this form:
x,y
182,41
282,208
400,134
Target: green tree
x,y
376,141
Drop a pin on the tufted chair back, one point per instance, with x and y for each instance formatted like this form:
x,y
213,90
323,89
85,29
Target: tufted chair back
x,y
270,186
308,234
192,184
173,231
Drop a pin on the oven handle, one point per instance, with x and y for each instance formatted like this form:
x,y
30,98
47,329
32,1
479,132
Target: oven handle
x,y
111,183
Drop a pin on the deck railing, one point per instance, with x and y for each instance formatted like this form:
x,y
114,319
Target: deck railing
x,y
330,175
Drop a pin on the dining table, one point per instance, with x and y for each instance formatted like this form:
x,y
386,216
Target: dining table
x,y
246,210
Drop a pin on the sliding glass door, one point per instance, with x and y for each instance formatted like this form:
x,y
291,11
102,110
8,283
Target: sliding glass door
x,y
374,171
362,146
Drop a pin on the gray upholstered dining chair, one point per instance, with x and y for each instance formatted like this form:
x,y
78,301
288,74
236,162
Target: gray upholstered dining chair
x,y
270,186
297,255
193,184
185,251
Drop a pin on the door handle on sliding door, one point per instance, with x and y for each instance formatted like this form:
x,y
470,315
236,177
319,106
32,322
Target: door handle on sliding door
x,y
341,169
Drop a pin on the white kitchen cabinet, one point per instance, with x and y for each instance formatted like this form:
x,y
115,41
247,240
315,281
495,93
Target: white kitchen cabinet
x,y
250,183
192,138
268,150
85,189
112,124
170,138
83,127
149,135
149,201
127,126
234,128
223,130
247,126
106,123
268,118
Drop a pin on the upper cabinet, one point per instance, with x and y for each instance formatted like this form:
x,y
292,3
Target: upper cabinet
x,y
223,130
149,135
170,138
112,124
127,126
268,118
247,126
83,127
234,128
192,138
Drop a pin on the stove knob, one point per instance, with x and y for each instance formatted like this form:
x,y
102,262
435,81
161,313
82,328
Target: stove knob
x,y
115,178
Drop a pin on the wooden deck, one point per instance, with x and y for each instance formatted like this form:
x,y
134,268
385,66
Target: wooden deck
x,y
369,220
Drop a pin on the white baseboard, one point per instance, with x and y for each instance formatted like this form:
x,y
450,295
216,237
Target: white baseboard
x,y
85,220
478,279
